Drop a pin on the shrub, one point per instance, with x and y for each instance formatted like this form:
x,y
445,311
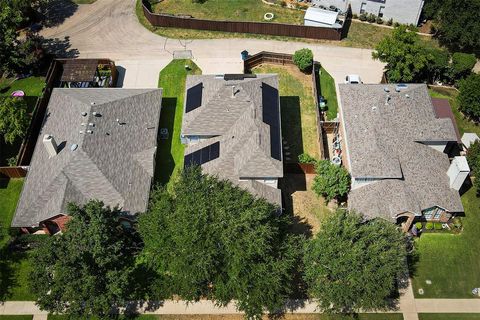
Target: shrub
x,y
283,3
303,59
462,65
389,22
473,155
457,223
371,18
12,162
396,24
354,16
379,20
438,226
306,158
331,181
363,17
419,225
14,119
429,225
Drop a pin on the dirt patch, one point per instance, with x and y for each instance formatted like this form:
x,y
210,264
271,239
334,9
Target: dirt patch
x,y
307,208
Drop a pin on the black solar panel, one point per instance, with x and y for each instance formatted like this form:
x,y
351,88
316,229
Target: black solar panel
x,y
203,155
271,116
194,97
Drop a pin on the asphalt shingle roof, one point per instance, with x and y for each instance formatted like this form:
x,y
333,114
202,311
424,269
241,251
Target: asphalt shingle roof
x,y
237,123
386,134
114,164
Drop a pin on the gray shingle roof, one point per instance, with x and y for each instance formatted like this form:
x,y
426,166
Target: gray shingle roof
x,y
237,123
388,140
114,164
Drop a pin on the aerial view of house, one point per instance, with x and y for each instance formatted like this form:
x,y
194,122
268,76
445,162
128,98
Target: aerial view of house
x,y
94,143
397,151
239,159
231,126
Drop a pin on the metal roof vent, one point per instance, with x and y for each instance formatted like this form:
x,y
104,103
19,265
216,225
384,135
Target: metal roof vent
x,y
74,147
89,131
96,114
83,124
81,132
386,89
84,114
407,96
374,108
91,124
92,103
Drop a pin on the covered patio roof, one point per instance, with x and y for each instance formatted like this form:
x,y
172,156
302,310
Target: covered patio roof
x,y
79,70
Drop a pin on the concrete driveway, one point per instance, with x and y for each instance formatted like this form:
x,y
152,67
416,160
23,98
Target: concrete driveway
x,y
110,29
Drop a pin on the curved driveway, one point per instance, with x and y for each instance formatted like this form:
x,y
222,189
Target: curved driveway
x,y
110,29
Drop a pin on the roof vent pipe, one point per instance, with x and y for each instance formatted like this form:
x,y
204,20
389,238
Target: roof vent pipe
x,y
233,91
50,145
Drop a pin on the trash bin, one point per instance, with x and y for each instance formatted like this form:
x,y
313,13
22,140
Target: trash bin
x,y
244,54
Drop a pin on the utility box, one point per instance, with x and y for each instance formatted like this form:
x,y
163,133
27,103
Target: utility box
x,y
458,172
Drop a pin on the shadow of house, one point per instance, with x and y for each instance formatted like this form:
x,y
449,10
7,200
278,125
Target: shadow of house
x,y
165,163
291,127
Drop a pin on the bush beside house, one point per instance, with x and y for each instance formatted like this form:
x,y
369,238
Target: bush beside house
x,y
303,59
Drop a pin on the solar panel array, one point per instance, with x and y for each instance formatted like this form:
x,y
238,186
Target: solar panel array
x,y
271,116
194,97
203,155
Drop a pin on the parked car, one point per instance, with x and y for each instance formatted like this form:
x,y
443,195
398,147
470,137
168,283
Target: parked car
x,y
353,79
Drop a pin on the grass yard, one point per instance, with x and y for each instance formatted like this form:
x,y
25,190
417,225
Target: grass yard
x,y
170,152
231,10
14,266
297,107
361,316
139,317
464,125
450,262
327,90
16,317
449,316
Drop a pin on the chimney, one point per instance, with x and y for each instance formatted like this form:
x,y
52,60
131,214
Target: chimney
x,y
50,145
233,91
458,172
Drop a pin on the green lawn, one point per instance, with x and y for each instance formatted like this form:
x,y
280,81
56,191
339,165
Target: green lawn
x,y
170,152
450,262
464,125
297,107
327,90
16,317
32,86
231,10
139,317
449,316
14,266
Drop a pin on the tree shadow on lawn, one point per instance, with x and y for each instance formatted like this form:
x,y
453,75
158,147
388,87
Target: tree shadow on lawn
x,y
291,127
58,11
10,259
165,162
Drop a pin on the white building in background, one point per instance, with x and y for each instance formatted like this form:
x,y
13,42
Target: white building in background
x,y
402,11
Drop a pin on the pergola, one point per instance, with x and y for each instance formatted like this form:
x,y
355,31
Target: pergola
x,y
80,74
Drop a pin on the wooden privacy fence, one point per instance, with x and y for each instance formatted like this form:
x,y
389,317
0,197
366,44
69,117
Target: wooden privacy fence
x,y
319,115
300,168
13,172
267,57
268,28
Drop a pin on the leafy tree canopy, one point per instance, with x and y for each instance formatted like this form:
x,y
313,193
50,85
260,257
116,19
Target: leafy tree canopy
x,y
331,181
473,155
404,54
86,270
303,59
208,238
14,119
353,264
438,66
457,27
469,96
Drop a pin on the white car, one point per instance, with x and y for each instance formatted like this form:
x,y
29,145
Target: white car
x,y
353,79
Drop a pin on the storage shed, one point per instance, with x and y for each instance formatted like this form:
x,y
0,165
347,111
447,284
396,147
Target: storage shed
x,y
317,17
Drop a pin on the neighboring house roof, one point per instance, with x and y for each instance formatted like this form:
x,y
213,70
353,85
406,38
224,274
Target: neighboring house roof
x,y
469,138
114,164
321,15
443,110
386,137
243,117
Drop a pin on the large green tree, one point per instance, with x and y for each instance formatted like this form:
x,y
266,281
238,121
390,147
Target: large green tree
x,y
331,181
352,263
457,26
14,119
405,56
86,270
462,65
10,19
209,239
469,96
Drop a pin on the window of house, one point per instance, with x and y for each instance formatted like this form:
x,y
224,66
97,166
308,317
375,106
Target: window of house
x,y
380,12
438,214
428,213
362,7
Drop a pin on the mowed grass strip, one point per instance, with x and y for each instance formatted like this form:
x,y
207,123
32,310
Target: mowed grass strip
x,y
169,157
230,10
449,316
